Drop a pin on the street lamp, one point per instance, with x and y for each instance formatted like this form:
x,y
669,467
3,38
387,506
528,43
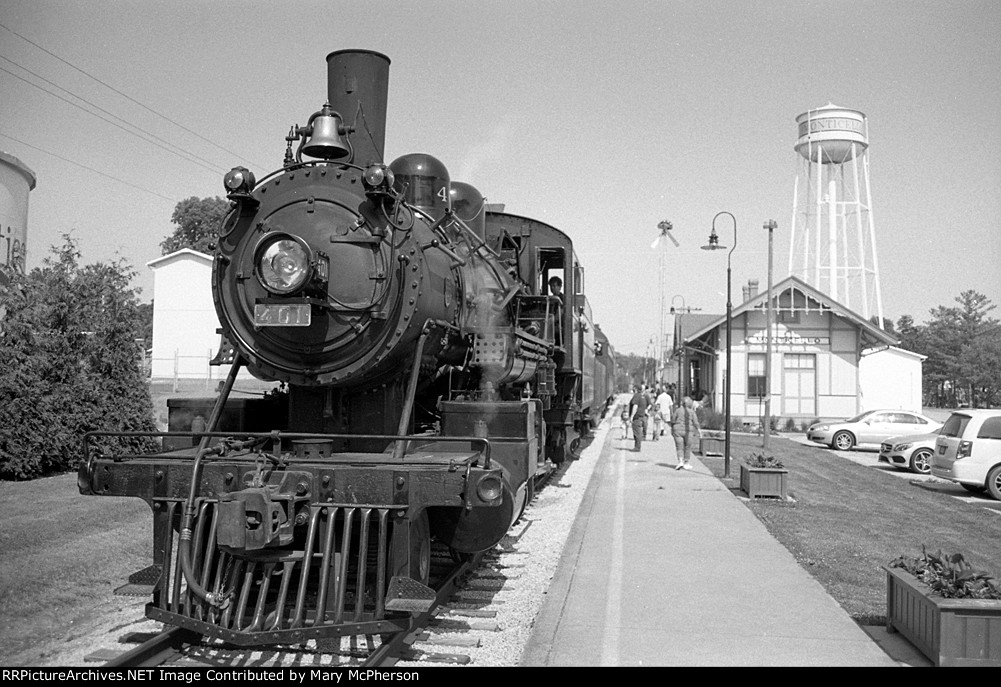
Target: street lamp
x,y
767,430
714,245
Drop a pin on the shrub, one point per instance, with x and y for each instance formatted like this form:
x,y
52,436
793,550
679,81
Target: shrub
x,y
71,364
950,576
710,419
790,425
760,460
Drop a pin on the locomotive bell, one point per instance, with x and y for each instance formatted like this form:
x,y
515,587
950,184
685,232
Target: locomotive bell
x,y
326,135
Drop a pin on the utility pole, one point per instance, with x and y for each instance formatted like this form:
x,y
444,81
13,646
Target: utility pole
x,y
770,226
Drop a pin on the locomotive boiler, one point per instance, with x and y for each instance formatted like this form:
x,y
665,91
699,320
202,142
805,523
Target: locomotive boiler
x,y
427,379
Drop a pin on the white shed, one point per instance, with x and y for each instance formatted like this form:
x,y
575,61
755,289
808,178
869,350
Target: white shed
x,y
890,377
185,323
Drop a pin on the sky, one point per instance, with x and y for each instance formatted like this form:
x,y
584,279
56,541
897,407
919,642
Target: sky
x,y
599,118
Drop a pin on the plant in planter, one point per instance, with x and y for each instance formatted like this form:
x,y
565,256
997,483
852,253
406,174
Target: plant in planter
x,y
947,609
711,440
760,460
763,475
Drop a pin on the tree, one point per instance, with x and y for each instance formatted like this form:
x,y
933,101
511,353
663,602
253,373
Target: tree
x,y
960,344
634,369
977,364
909,333
197,221
886,326
71,363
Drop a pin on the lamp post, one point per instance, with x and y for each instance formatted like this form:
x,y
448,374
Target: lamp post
x,y
714,245
767,430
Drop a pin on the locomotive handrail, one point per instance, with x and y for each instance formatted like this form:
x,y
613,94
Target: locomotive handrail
x,y
482,441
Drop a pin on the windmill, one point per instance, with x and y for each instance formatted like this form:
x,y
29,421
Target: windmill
x,y
665,228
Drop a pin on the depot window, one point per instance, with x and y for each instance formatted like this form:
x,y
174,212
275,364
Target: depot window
x,y
756,375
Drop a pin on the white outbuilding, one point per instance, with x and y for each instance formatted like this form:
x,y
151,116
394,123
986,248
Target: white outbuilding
x,y
890,377
185,324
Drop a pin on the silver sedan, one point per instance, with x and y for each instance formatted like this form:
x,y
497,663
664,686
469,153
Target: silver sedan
x,y
870,428
912,452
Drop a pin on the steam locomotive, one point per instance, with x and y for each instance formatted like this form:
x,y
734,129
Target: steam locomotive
x,y
428,379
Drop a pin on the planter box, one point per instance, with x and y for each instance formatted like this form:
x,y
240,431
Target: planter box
x,y
712,443
951,632
757,482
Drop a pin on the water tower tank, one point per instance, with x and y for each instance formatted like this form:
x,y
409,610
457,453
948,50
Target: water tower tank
x,y
837,134
16,181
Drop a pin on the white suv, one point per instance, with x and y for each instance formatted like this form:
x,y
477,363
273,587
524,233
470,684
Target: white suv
x,y
968,450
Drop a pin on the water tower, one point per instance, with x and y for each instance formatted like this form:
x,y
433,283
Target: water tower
x,y
16,181
833,243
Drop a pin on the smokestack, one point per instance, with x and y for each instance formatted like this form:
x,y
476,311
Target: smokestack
x,y
358,89
747,293
752,288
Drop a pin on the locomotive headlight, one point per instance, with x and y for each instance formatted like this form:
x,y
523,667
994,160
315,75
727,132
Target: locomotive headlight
x,y
489,488
284,263
239,180
378,178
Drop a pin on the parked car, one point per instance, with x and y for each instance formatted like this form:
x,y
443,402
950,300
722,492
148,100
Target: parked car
x,y
968,450
870,428
912,452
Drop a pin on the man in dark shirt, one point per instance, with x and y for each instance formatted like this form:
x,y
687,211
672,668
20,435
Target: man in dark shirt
x,y
638,406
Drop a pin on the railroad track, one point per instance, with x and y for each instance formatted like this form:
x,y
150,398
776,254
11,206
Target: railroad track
x,y
178,647
457,623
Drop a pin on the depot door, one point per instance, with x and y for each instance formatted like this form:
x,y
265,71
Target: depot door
x,y
799,384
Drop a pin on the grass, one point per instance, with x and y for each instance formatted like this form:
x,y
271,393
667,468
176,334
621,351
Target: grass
x,y
63,556
845,520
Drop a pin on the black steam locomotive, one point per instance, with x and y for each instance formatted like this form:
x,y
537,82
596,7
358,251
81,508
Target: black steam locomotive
x,y
429,376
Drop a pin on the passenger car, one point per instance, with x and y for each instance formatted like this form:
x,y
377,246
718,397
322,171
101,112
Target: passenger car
x,y
913,452
870,428
968,450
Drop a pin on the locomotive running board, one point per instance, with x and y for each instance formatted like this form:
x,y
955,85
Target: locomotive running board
x,y
141,582
409,596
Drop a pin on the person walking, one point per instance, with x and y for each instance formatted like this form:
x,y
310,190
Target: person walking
x,y
686,429
656,421
638,406
666,407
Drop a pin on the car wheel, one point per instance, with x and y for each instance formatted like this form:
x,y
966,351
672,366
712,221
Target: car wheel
x,y
921,461
842,441
974,488
994,482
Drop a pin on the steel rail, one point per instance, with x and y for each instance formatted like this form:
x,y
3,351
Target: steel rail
x,y
390,650
156,651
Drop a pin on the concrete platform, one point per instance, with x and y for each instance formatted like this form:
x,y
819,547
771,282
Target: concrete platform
x,y
668,567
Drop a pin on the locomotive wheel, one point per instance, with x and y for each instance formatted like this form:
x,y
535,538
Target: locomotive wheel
x,y
521,498
459,556
574,448
420,551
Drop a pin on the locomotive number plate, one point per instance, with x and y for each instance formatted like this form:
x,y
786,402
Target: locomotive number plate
x,y
295,315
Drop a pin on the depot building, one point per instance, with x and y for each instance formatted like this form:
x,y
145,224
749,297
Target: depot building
x,y
827,361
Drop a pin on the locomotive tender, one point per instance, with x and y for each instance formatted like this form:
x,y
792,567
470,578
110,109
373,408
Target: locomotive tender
x,y
427,381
